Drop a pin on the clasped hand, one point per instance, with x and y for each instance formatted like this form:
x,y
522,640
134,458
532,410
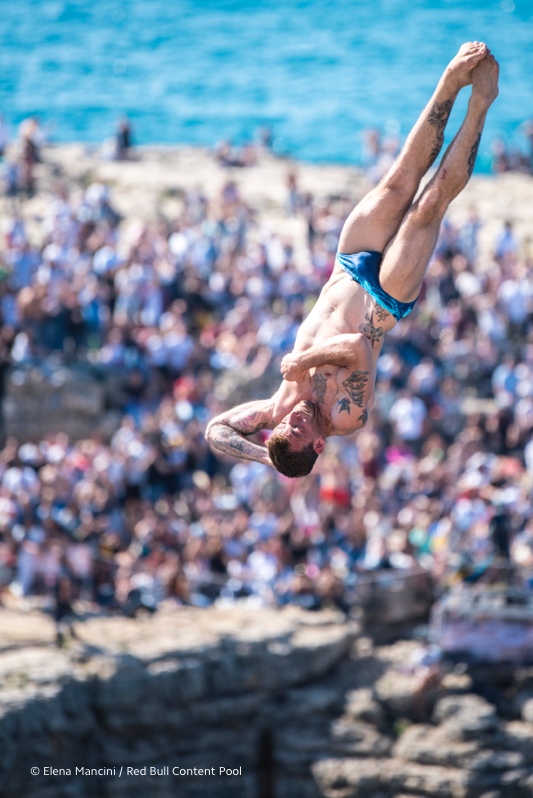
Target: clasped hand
x,y
291,368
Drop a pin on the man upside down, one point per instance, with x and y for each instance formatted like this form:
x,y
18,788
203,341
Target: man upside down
x,y
384,250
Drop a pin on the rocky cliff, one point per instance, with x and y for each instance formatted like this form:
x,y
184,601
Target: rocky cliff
x,y
291,704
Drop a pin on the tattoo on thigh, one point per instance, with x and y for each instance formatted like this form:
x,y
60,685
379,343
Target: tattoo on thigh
x,y
473,155
354,385
438,117
370,331
320,385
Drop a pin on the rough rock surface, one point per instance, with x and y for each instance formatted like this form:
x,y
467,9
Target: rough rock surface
x,y
467,751
298,700
188,688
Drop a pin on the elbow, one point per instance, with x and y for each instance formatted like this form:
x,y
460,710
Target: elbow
x,y
210,432
214,433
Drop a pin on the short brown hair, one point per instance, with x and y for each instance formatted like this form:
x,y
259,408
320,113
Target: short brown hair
x,y
291,464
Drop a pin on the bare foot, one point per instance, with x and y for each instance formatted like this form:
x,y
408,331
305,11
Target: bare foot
x,y
459,71
485,80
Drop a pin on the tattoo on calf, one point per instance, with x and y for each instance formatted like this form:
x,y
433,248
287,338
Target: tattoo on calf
x,y
370,331
473,155
438,117
354,385
320,385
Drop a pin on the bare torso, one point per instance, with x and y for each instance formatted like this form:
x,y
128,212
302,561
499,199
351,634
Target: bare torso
x,y
343,307
334,360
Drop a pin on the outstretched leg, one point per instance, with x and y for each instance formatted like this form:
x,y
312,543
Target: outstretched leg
x,y
376,219
408,254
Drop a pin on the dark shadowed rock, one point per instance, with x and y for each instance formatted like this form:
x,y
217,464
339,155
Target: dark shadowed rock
x,y
358,739
465,716
429,745
362,706
188,687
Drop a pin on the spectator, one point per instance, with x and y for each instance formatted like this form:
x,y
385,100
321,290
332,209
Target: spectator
x,y
123,139
177,317
408,414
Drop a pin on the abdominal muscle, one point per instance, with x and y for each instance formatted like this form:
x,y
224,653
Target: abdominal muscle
x,y
343,305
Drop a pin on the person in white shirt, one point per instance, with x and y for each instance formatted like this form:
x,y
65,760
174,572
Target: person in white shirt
x,y
408,414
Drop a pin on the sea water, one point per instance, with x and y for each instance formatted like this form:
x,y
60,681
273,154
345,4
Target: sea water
x,y
317,72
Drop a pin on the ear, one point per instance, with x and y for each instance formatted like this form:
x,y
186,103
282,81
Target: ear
x,y
319,445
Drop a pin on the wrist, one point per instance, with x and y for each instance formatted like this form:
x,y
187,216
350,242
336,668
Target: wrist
x,y
303,362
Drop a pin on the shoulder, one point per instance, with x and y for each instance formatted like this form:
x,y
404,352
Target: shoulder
x,y
354,399
347,417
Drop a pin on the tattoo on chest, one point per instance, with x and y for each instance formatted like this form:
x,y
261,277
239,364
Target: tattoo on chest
x,y
354,385
369,330
319,387
344,404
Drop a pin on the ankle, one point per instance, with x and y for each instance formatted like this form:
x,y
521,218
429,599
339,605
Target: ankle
x,y
447,89
479,103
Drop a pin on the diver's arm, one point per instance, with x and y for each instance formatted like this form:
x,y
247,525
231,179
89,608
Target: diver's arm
x,y
350,350
228,432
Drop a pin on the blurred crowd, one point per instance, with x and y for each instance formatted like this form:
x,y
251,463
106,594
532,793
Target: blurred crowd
x,y
195,310
508,158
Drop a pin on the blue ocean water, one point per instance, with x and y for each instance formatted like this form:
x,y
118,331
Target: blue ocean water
x,y
317,72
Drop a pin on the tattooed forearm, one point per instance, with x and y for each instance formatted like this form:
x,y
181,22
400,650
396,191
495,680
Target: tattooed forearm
x,y
473,155
438,117
229,441
252,423
354,385
319,387
228,432
370,331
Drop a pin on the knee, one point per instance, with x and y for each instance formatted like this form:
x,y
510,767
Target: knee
x,y
402,183
431,205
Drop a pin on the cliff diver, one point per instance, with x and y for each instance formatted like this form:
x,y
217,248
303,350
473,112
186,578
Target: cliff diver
x,y
384,249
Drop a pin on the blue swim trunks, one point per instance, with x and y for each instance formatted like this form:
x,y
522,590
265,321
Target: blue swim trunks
x,y
363,267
